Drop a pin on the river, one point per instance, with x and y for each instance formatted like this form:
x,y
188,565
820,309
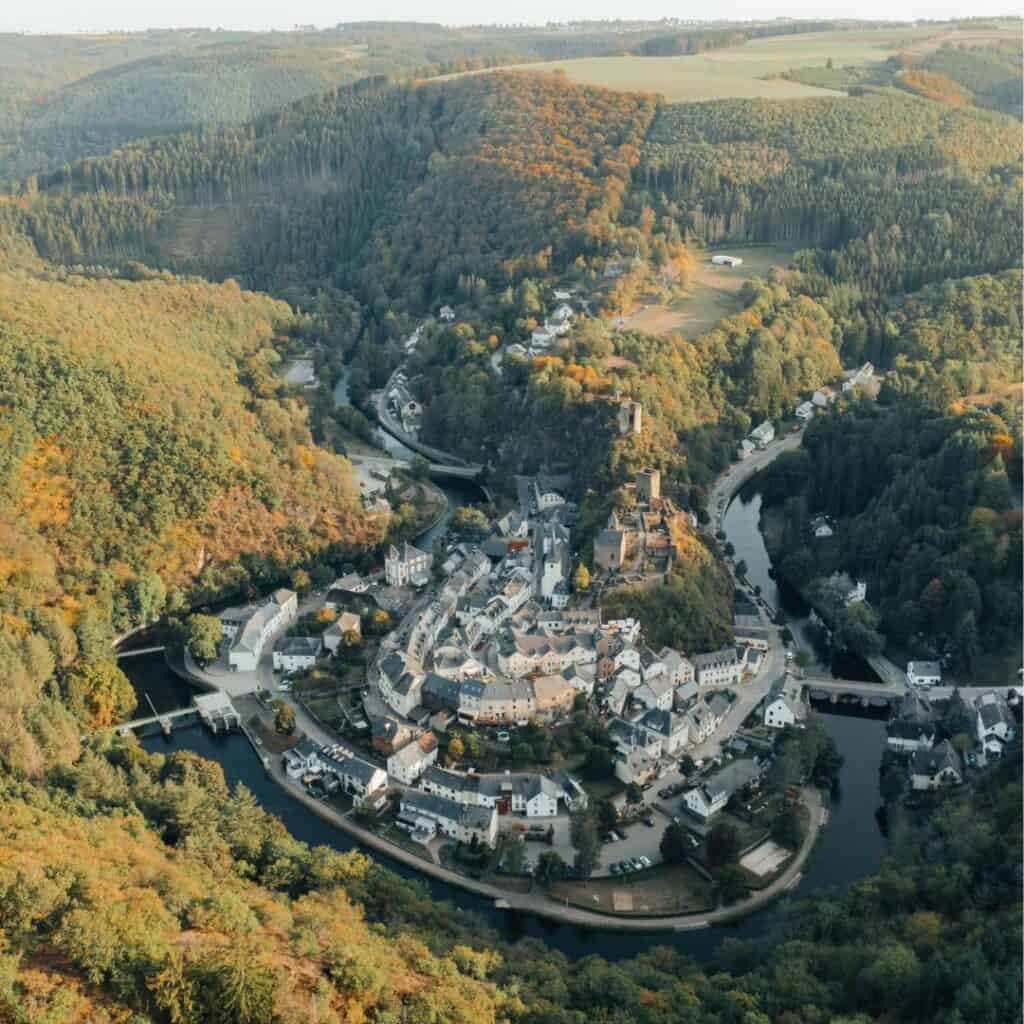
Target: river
x,y
850,847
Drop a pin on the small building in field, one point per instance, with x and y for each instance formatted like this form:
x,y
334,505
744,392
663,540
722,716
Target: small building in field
x,y
805,411
721,260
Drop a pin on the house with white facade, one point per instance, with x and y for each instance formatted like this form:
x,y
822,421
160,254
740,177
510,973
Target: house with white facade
x,y
783,704
678,666
712,795
409,763
763,434
407,565
718,668
673,730
302,759
657,694
805,411
250,628
424,813
297,653
924,673
912,727
995,723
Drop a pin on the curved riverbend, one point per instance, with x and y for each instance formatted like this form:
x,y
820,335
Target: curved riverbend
x,y
837,860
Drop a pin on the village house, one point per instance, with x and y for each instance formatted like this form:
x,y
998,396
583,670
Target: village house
x,y
912,727
746,449
409,763
924,673
657,694
297,653
526,793
334,634
936,767
302,759
446,314
251,627
388,735
685,694
635,766
718,668
407,565
861,375
678,667
351,583
364,782
553,696
805,411
823,397
821,527
712,795
700,723
763,434
721,260
673,730
996,725
423,814
783,704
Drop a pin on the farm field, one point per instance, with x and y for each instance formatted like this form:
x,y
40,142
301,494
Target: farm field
x,y
713,293
741,71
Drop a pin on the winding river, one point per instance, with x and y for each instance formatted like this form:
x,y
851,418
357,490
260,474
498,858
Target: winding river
x,y
850,847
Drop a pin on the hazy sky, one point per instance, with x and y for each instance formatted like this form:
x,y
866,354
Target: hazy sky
x,y
105,15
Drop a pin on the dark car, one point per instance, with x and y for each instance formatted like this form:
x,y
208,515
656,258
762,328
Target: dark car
x,y
649,822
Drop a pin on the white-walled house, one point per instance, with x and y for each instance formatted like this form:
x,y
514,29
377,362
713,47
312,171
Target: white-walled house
x,y
409,763
783,705
250,628
711,797
924,673
425,811
763,434
406,565
718,668
297,653
995,722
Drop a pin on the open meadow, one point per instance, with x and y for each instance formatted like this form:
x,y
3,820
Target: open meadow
x,y
747,70
712,293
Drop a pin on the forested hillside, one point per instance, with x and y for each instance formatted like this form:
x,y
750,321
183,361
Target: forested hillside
x,y
893,192
150,458
135,887
926,506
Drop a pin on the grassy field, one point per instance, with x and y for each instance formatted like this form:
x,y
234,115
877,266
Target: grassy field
x,y
712,293
744,71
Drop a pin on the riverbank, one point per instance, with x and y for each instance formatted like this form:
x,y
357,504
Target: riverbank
x,y
540,904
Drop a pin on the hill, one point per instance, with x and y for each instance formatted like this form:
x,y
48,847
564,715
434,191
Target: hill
x,y
150,459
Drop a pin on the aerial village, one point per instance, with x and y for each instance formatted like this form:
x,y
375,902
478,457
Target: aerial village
x,y
494,642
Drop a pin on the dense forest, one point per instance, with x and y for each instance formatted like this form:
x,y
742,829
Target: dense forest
x,y
925,512
151,459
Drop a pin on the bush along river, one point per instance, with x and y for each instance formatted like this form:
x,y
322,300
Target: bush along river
x,y
848,848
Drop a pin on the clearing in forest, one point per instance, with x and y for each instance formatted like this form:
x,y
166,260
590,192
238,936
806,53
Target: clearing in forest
x,y
712,293
743,71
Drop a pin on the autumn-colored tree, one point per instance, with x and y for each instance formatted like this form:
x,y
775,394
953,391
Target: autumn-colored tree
x,y
100,693
581,578
203,637
284,718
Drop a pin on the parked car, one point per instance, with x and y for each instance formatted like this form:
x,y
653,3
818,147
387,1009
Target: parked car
x,y
646,861
615,869
665,791
626,867
503,737
638,864
649,822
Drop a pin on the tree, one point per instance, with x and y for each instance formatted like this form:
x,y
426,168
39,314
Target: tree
x,y
583,830
732,885
598,764
513,854
469,521
857,630
607,815
100,693
550,868
741,568
675,844
284,718
723,844
203,637
301,580
802,658
456,750
788,828
580,578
